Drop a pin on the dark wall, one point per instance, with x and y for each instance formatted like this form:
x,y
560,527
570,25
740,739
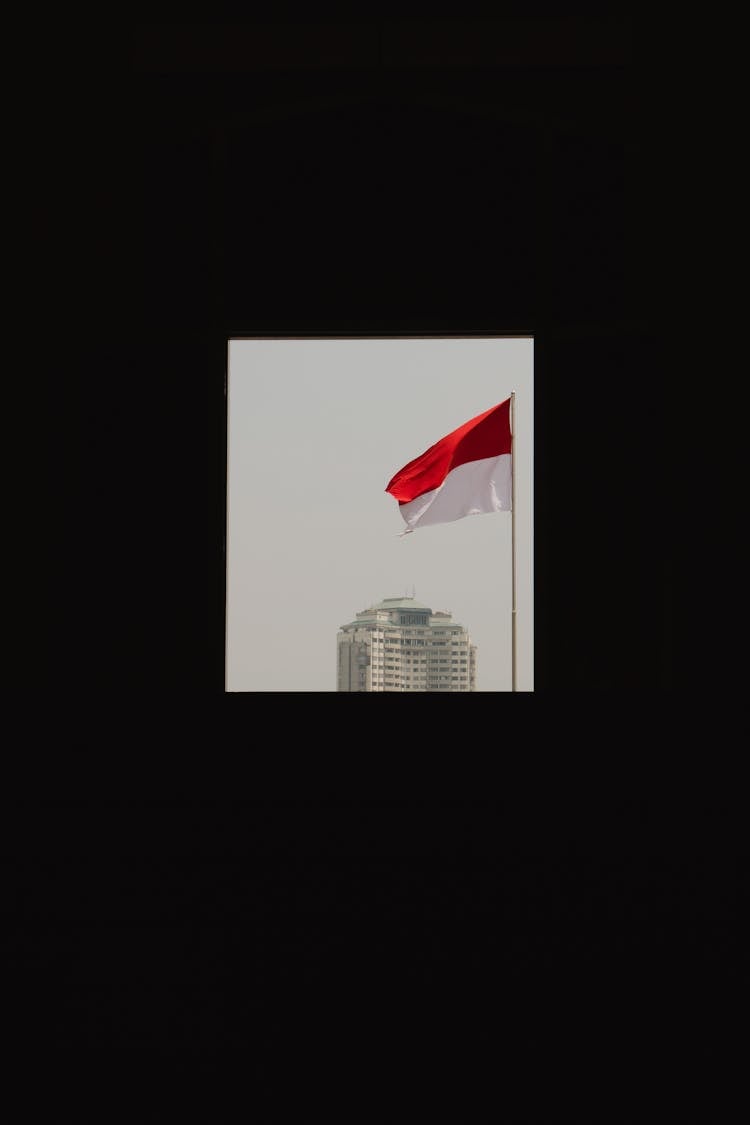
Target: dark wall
x,y
269,931
210,916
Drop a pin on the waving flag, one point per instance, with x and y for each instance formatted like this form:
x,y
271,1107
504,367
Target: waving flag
x,y
466,473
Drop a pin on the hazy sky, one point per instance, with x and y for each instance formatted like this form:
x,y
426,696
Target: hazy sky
x,y
316,429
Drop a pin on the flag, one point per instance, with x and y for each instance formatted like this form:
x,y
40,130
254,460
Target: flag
x,y
464,474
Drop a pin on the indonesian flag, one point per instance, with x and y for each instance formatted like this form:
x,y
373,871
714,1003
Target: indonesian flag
x,y
464,474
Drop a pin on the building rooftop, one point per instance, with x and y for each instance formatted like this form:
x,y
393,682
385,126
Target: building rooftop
x,y
400,603
390,605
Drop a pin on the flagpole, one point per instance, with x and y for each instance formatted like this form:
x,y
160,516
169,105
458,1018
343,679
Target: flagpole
x,y
513,531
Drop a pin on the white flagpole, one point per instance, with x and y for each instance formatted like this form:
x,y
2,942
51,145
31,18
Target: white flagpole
x,y
513,531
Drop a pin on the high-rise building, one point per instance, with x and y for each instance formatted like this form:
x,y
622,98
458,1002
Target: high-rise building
x,y
401,645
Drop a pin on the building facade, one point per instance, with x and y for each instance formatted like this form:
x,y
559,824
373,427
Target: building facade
x,y
401,645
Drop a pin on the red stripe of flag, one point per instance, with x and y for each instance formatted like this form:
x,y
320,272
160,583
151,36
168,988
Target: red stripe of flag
x,y
487,435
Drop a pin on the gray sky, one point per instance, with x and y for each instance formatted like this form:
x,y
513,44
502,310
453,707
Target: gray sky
x,y
316,429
